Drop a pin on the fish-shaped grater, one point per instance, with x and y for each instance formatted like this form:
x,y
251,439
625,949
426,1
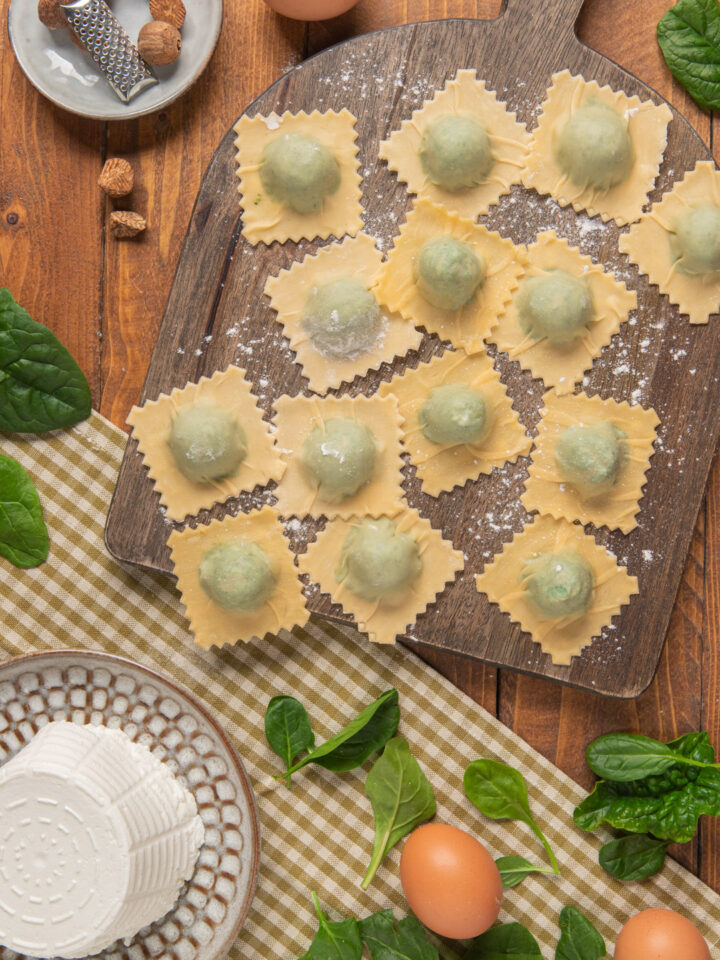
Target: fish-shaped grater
x,y
99,31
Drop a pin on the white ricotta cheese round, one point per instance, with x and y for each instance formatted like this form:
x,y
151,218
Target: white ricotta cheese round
x,y
96,839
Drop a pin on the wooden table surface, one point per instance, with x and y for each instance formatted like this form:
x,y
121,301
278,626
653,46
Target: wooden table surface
x,y
105,300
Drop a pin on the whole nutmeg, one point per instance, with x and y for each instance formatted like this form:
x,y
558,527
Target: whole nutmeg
x,y
159,43
117,177
126,223
169,11
51,13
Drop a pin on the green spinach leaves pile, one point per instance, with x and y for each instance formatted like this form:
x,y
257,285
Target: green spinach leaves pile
x,y
579,940
407,939
653,792
385,938
399,792
41,388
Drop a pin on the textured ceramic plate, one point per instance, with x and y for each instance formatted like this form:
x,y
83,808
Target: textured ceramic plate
x,y
68,77
85,687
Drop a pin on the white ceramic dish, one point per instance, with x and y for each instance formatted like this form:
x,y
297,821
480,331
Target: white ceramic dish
x,y
88,687
68,77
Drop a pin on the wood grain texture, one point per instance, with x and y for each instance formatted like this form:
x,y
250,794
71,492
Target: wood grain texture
x,y
171,151
54,259
217,315
46,156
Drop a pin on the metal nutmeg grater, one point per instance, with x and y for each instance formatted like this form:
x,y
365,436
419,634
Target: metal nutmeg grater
x,y
104,38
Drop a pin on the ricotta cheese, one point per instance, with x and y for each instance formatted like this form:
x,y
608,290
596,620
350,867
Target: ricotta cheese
x,y
96,839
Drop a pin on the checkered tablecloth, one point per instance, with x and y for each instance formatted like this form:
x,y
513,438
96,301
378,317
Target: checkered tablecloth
x,y
319,835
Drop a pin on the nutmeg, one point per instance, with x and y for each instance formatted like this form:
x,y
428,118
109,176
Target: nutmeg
x,y
169,11
51,13
126,223
159,43
117,177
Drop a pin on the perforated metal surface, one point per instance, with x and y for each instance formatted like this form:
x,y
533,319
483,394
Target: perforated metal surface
x,y
96,688
99,31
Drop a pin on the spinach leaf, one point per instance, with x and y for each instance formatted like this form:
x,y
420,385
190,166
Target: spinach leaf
x,y
666,805
632,858
689,37
366,734
499,792
387,941
579,940
508,941
335,940
513,870
23,535
41,386
287,729
624,757
401,798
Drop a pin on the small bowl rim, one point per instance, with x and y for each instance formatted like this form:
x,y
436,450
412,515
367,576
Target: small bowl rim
x,y
170,682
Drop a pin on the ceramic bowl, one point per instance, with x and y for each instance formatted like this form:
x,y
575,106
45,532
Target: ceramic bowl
x,y
67,76
88,687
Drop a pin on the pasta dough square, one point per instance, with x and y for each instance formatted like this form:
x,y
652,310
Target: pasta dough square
x,y
266,220
562,365
381,621
545,489
213,625
297,417
565,637
508,140
468,326
230,391
648,244
647,127
444,466
356,257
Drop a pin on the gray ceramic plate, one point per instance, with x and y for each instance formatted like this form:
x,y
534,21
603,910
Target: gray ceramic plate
x,y
86,687
68,77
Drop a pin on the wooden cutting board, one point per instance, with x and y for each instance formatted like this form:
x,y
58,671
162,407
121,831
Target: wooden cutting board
x,y
217,315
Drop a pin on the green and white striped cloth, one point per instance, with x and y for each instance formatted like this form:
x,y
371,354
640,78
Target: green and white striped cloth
x,y
319,835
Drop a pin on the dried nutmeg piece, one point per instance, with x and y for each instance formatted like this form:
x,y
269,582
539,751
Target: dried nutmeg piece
x,y
117,177
125,224
169,11
159,43
51,13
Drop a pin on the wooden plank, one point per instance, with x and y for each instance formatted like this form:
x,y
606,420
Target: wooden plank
x,y
478,680
547,718
50,249
710,827
370,15
204,298
170,152
53,266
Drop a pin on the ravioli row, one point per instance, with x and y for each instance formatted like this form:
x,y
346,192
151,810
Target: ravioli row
x,y
346,311
339,458
593,148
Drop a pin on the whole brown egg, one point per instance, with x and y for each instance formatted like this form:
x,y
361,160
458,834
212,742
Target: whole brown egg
x,y
450,881
660,935
311,9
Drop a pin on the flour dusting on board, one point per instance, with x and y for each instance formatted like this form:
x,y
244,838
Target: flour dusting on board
x,y
653,347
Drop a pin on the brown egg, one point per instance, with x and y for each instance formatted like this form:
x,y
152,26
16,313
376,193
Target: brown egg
x,y
311,9
660,935
450,881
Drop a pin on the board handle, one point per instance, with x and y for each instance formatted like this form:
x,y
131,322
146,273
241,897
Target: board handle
x,y
545,21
